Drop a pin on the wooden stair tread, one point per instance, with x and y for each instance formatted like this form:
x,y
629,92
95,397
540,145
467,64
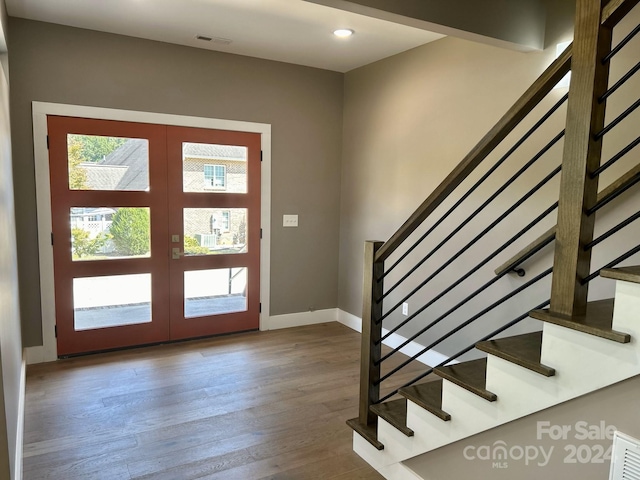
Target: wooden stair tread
x,y
368,432
523,350
470,376
627,274
394,412
597,321
428,396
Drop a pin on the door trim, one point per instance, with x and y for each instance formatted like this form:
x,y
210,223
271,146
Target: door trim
x,y
48,351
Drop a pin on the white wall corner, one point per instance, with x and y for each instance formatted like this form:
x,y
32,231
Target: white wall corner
x,y
301,319
429,358
37,355
351,321
399,471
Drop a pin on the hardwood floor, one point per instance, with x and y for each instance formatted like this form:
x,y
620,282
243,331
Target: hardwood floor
x,y
260,405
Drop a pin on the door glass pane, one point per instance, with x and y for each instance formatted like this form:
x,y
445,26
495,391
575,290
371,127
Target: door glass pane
x,y
215,231
214,168
100,302
215,292
108,163
107,233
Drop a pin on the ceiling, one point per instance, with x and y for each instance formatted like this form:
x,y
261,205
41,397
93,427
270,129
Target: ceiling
x,y
292,31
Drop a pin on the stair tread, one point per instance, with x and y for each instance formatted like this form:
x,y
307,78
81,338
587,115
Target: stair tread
x,y
523,350
368,432
428,396
470,376
597,320
394,412
627,274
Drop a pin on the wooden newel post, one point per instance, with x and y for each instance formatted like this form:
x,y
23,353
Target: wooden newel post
x,y
371,333
582,154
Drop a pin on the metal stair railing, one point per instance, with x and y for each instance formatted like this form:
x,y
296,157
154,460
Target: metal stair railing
x,y
587,98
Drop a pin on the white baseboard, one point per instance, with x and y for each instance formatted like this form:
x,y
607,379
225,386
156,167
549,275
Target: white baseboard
x,y
39,354
430,358
299,319
17,474
302,318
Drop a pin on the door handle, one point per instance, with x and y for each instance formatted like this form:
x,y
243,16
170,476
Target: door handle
x,y
176,253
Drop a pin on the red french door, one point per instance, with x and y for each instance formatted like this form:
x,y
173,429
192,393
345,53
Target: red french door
x,y
214,214
155,232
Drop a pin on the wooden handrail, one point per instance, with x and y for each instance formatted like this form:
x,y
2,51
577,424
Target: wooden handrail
x,y
620,184
518,258
615,10
525,104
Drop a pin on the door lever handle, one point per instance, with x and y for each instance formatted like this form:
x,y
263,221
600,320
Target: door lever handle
x,y
176,253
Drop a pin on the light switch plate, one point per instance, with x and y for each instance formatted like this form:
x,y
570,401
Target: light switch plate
x,y
290,220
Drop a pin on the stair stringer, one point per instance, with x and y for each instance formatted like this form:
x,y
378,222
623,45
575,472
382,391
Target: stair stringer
x,y
584,363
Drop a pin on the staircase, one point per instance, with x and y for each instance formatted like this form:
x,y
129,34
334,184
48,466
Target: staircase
x,y
516,379
583,345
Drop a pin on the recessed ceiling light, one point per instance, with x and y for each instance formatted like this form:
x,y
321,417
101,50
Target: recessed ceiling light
x,y
343,32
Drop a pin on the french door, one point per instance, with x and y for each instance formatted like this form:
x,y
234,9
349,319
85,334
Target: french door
x,y
155,232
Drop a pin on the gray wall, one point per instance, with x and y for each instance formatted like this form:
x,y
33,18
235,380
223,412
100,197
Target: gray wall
x,y
52,63
410,119
614,407
11,365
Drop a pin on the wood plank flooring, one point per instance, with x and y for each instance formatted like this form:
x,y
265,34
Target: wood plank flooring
x,y
260,405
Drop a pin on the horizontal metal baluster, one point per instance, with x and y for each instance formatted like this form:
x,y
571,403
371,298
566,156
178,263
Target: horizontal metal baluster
x,y
533,223
615,122
620,45
544,150
441,317
620,82
615,262
616,157
510,152
462,352
612,231
511,209
511,294
614,195
531,252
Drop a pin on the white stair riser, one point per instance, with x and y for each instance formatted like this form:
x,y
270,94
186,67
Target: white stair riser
x,y
626,314
584,362
374,457
526,391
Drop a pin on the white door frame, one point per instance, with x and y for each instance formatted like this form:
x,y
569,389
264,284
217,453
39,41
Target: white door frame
x,y
48,351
